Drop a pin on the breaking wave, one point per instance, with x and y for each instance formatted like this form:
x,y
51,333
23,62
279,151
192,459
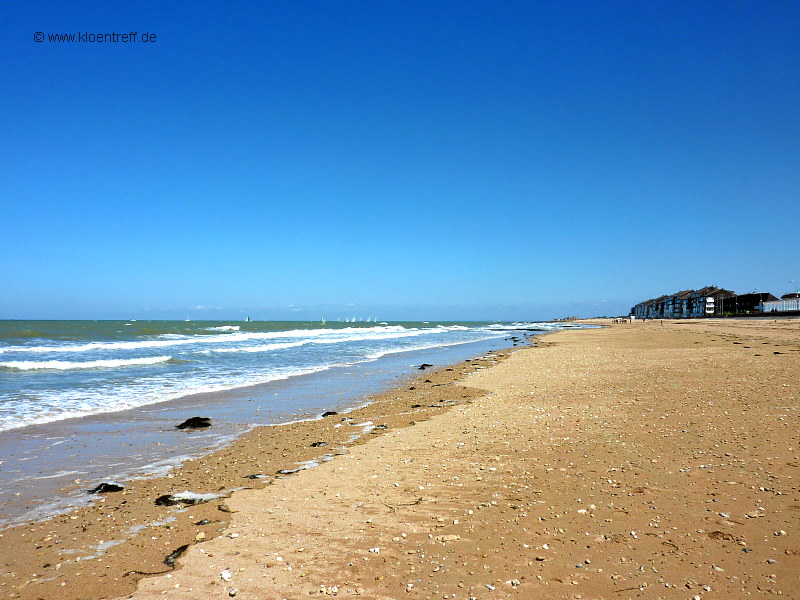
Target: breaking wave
x,y
64,365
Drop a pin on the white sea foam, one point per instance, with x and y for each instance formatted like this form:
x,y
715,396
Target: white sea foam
x,y
179,340
337,338
62,365
260,348
66,405
224,328
400,350
518,326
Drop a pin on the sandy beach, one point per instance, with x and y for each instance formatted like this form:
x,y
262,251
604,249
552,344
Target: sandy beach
x,y
646,460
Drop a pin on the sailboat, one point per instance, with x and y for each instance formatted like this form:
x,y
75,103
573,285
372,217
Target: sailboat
x,y
323,320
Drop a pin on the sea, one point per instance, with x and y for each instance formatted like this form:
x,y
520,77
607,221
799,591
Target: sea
x,y
90,401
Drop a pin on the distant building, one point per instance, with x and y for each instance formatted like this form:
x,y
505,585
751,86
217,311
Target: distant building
x,y
746,303
784,305
704,302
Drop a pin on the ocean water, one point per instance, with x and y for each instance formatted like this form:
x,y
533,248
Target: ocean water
x,y
54,370
87,401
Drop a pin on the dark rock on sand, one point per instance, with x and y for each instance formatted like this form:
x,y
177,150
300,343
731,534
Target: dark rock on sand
x,y
256,476
195,423
106,487
424,366
319,444
166,500
329,413
174,555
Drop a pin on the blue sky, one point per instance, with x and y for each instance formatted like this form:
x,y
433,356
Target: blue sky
x,y
480,160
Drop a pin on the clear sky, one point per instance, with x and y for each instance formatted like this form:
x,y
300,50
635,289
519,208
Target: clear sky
x,y
486,160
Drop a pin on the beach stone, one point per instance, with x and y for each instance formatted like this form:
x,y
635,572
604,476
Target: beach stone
x,y
166,500
106,487
329,413
424,366
319,444
195,423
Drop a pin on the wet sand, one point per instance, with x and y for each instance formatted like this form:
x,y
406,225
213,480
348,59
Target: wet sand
x,y
636,461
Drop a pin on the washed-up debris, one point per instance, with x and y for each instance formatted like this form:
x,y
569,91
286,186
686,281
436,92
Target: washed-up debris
x,y
185,498
107,487
170,559
226,575
424,366
319,444
289,471
257,476
329,413
195,423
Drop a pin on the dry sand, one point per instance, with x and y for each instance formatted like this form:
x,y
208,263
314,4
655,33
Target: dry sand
x,y
636,461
